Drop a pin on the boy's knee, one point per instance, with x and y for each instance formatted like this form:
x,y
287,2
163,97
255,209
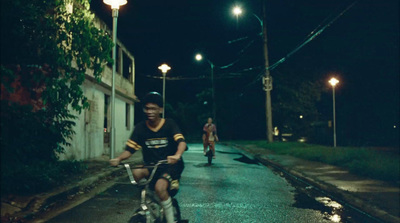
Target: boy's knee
x,y
139,174
161,185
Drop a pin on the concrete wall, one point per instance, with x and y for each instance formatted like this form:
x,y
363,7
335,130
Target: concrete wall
x,y
88,142
90,139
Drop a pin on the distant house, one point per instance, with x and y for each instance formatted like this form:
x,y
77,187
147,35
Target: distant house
x,y
93,126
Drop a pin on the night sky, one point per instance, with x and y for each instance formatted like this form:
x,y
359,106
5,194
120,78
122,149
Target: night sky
x,y
360,46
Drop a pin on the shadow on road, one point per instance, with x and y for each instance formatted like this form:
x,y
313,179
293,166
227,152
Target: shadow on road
x,y
245,159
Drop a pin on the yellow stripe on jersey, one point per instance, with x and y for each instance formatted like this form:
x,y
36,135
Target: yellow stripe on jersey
x,y
178,136
133,145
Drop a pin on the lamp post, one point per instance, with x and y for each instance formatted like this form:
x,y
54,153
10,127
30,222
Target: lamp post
x,y
199,57
115,4
164,68
238,11
333,81
267,79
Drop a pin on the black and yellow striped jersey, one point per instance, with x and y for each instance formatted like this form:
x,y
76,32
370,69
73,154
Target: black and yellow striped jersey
x,y
156,143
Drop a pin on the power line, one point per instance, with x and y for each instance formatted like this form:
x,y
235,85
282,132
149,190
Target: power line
x,y
229,75
309,38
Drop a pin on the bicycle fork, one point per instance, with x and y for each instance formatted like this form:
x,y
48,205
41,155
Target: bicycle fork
x,y
143,205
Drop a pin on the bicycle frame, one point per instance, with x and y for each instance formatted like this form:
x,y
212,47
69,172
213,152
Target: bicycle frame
x,y
150,206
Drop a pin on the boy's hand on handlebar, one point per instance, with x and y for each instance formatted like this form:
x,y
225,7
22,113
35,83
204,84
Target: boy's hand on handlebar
x,y
173,159
114,162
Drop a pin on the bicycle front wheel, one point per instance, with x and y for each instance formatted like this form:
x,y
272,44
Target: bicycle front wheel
x,y
177,210
137,218
209,156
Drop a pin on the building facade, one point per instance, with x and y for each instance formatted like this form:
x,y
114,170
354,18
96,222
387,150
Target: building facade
x,y
93,126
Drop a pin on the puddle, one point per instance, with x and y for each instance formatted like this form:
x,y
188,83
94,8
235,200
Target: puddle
x,y
308,197
331,210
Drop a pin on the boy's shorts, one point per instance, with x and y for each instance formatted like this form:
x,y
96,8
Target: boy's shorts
x,y
172,173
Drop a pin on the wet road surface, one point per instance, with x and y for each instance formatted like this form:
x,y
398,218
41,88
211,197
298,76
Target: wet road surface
x,y
234,188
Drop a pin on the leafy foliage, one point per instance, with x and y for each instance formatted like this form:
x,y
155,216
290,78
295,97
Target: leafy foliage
x,y
295,98
47,49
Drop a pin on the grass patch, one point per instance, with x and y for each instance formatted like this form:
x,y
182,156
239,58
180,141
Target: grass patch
x,y
369,162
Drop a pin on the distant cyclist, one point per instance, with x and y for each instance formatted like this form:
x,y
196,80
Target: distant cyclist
x,y
210,136
159,139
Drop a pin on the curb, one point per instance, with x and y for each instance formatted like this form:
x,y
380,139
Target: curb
x,y
354,202
344,197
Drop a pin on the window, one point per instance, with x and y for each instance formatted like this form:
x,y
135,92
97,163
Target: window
x,y
127,70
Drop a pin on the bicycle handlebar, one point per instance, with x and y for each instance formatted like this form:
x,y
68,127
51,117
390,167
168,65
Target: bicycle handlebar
x,y
154,166
151,165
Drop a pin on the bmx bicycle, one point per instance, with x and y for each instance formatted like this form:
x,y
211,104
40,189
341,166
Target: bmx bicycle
x,y
209,154
150,210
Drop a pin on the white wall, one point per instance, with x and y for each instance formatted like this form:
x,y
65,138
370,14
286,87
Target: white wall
x,y
122,133
88,141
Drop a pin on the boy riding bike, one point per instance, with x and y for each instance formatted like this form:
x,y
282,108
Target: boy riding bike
x,y
159,139
209,136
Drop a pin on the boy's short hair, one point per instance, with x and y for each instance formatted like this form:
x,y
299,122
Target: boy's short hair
x,y
153,97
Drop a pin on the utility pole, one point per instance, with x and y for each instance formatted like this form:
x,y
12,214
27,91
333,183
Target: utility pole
x,y
267,79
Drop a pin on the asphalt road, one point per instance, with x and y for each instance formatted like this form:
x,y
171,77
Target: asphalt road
x,y
233,189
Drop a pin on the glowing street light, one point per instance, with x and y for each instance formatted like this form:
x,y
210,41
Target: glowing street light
x,y
237,11
164,68
199,57
115,4
333,81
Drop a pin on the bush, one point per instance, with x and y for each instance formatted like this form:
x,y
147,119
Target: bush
x,y
30,143
46,52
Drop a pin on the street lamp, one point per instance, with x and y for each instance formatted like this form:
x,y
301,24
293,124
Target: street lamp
x,y
267,79
164,68
333,81
199,57
237,11
115,4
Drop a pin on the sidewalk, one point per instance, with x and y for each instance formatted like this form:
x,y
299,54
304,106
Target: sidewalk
x,y
96,178
377,198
